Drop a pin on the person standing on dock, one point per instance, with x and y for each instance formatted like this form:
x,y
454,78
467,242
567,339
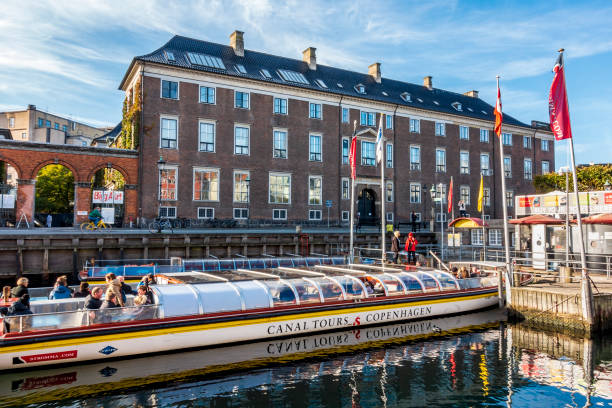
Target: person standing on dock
x,y
395,246
410,247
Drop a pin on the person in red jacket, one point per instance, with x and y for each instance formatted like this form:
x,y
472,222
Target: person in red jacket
x,y
410,247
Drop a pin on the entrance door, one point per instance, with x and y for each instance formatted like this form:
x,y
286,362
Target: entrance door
x,y
538,246
366,207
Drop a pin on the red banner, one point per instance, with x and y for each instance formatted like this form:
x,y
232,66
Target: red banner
x,y
557,104
352,157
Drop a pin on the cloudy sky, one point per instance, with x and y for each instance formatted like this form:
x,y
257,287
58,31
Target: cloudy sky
x,y
68,57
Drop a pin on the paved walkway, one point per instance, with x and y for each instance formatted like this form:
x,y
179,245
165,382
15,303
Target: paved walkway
x,y
601,282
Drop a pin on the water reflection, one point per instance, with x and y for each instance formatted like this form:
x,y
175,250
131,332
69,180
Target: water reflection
x,y
467,360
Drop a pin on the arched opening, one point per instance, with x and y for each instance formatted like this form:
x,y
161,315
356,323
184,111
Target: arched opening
x,y
54,196
366,207
8,194
107,187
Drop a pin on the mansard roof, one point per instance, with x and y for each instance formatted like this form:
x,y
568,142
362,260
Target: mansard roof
x,y
334,80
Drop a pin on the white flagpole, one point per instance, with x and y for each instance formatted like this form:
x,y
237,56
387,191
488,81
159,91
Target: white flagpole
x,y
352,235
509,275
383,190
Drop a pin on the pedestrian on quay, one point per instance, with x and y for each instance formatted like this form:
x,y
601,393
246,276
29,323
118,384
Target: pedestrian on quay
x,y
395,246
49,220
410,247
21,288
413,221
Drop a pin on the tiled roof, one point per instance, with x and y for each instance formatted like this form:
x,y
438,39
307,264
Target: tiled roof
x,y
338,81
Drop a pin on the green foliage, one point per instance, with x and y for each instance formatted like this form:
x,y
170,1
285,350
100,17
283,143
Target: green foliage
x,y
104,177
589,178
130,124
54,189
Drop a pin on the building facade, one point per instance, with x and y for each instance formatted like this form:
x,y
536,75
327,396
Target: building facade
x,y
232,133
35,125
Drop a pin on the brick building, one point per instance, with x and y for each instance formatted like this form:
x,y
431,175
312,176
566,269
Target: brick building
x,y
243,134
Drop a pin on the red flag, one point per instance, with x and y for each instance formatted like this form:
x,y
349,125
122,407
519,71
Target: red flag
x,y
498,112
352,157
450,197
557,103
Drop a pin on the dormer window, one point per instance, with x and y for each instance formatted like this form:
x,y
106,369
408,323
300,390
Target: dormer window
x,y
240,69
406,97
457,106
170,56
360,88
340,85
265,73
321,83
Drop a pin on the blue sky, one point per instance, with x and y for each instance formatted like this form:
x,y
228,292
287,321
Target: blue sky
x,y
68,57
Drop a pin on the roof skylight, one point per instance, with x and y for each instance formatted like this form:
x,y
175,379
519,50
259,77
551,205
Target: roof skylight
x,y
484,112
320,83
240,68
420,100
470,109
384,93
170,56
340,85
437,103
265,73
360,88
406,96
205,60
457,106
292,76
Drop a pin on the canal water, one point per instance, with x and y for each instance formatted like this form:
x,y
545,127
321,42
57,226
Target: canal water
x,y
460,361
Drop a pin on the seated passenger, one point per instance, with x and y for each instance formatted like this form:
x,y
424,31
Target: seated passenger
x,y
21,288
20,307
463,273
110,302
125,288
369,284
141,297
93,301
83,290
286,295
114,287
455,272
474,273
61,289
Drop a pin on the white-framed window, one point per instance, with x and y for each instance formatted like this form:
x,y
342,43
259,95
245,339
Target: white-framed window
x,y
207,137
389,217
64,128
280,106
315,215
440,129
346,216
168,135
367,118
389,191
544,145
11,122
441,192
507,139
440,217
486,217
368,153
507,166
279,150
315,148
315,190
346,147
24,135
415,193
168,177
206,213
527,173
464,194
56,125
207,94
440,160
476,236
389,155
345,115
241,186
241,100
484,135
73,125
484,164
315,111
167,212
241,139
486,196
495,237
415,157
346,189
464,162
545,167
169,89
241,213
527,142
279,214
205,184
279,187
388,122
509,198
415,125
464,133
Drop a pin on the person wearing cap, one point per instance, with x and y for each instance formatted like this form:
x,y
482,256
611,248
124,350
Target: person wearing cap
x,y
395,246
410,247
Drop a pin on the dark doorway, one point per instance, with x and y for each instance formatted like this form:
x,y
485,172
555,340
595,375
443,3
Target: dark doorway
x,y
366,207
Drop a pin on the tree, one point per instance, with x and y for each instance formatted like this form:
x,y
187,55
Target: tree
x,y
590,178
54,189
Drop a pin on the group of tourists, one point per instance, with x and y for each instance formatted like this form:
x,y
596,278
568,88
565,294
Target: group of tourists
x,y
22,305
409,246
115,294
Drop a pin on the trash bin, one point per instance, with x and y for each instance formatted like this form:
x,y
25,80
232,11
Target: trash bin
x,y
565,274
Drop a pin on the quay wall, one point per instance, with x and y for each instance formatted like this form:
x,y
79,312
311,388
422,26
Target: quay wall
x,y
42,257
550,310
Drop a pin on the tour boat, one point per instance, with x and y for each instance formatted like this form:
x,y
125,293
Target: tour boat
x,y
204,309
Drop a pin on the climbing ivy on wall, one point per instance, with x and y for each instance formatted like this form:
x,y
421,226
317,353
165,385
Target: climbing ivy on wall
x,y
130,124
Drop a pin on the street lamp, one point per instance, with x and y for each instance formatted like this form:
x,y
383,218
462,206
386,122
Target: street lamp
x,y
160,165
432,194
247,181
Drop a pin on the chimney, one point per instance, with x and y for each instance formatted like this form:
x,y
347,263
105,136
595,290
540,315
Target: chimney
x,y
374,71
427,82
237,43
473,94
309,56
31,107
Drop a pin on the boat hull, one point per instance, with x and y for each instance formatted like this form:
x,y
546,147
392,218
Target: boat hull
x,y
92,346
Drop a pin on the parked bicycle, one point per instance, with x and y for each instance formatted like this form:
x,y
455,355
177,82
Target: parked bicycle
x,y
91,226
160,225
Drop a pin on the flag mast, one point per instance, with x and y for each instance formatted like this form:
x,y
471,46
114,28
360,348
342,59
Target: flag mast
x,y
380,157
352,164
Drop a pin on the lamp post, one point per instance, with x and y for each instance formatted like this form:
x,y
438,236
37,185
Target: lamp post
x,y
160,165
432,194
441,226
247,182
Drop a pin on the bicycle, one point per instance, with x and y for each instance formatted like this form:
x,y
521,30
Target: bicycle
x,y
159,225
91,226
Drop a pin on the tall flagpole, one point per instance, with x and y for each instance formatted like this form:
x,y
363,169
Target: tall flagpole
x,y
383,190
504,208
484,235
352,235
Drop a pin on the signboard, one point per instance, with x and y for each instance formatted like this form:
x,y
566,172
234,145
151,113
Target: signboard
x,y
81,212
591,202
454,240
107,197
7,201
328,203
108,213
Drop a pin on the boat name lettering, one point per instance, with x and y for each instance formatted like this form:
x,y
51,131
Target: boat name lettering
x,y
62,355
398,314
32,383
316,324
302,345
399,331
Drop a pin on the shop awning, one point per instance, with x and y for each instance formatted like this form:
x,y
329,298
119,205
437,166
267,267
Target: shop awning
x,y
537,219
598,219
467,223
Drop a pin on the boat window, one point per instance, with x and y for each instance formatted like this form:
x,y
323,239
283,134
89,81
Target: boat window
x,y
429,282
227,265
313,261
411,282
211,265
257,264
159,269
299,262
351,286
254,294
271,263
469,283
286,262
218,297
487,281
447,282
193,265
281,293
307,292
394,287
330,289
241,263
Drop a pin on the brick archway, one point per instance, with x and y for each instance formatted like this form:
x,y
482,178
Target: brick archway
x,y
82,161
